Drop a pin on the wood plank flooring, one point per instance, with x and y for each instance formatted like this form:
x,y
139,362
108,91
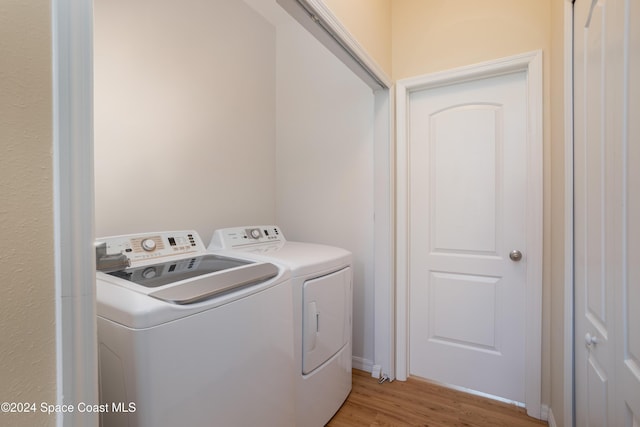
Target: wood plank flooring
x,y
419,403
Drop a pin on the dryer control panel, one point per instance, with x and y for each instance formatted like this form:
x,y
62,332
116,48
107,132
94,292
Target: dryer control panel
x,y
238,237
136,248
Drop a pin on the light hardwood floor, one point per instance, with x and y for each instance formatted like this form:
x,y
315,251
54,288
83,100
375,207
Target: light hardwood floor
x,y
419,403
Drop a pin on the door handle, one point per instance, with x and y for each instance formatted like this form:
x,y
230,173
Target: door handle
x,y
515,255
590,340
312,327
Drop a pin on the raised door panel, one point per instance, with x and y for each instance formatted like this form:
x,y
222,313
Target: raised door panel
x,y
464,169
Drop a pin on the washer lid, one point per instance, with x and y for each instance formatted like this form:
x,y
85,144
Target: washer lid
x,y
198,290
194,279
160,274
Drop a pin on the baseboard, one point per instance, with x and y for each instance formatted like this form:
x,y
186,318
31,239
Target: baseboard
x,y
362,364
544,412
550,419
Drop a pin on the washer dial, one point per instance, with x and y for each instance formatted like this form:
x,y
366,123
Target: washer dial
x,y
148,245
149,273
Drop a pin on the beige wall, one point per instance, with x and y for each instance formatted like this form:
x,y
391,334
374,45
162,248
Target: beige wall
x,y
434,35
369,22
557,200
27,306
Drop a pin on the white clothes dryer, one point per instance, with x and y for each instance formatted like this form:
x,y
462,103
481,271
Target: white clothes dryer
x,y
189,338
321,277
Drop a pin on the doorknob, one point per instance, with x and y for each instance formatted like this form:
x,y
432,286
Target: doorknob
x,y
515,255
590,340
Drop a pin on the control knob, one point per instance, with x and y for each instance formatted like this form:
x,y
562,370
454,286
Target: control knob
x,y
148,245
149,273
255,233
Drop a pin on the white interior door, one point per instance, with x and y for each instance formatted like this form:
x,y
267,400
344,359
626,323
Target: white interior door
x,y
607,208
467,213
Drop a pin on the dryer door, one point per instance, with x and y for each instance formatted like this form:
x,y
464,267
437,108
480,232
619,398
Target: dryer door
x,y
326,317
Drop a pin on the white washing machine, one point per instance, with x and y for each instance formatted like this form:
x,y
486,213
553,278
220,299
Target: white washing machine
x,y
189,338
322,305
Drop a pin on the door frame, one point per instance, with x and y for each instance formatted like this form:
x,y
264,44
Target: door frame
x,y
74,255
531,64
568,307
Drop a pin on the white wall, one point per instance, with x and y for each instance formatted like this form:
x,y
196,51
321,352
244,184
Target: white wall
x,y
195,128
184,116
324,174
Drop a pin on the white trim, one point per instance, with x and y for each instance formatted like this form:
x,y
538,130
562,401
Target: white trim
x,y
544,412
568,324
318,19
402,242
350,43
552,420
533,340
531,63
72,81
384,300
362,364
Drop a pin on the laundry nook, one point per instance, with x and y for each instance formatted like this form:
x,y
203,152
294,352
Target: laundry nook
x,y
310,213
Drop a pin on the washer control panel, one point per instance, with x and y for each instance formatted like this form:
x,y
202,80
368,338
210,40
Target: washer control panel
x,y
148,246
237,237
